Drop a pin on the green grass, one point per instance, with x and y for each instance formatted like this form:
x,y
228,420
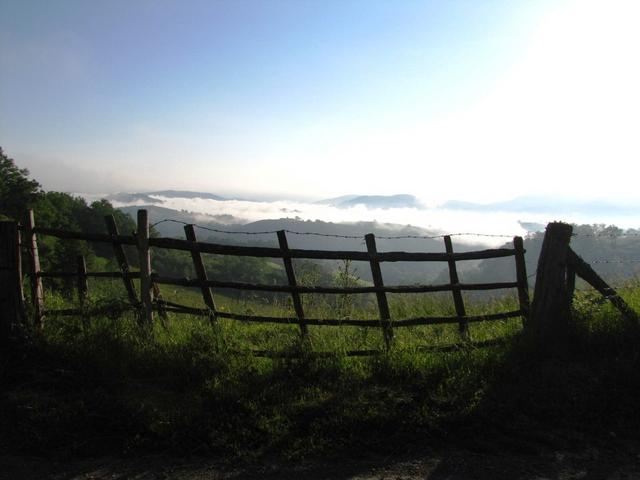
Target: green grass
x,y
105,386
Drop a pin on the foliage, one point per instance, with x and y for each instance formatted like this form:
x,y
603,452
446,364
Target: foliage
x,y
17,191
616,251
61,210
64,211
346,277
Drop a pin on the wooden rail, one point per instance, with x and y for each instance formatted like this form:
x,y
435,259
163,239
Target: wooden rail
x,y
88,274
194,282
327,322
149,280
272,252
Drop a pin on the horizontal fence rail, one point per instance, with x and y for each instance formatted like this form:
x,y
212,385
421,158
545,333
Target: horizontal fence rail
x,y
89,237
192,282
88,274
151,301
328,322
273,252
409,322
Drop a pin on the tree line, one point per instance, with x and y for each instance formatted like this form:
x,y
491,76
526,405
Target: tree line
x,y
19,192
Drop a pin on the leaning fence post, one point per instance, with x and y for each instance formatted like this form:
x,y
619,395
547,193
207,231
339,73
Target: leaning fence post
x,y
37,292
577,266
551,308
11,294
121,258
458,301
201,272
291,277
383,306
522,280
145,267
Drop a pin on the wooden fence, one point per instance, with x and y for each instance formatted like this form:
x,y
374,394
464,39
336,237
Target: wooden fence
x,y
150,301
558,267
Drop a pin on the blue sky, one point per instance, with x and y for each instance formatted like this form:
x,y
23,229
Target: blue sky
x,y
316,99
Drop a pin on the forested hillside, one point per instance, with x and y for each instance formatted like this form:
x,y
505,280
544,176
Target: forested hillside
x,y
18,193
613,252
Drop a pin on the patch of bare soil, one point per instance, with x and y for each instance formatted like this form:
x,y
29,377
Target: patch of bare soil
x,y
619,463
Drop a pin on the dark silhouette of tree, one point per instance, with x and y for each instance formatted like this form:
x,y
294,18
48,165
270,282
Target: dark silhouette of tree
x,y
17,191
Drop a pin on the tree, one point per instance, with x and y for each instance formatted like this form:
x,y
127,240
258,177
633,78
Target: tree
x,y
17,191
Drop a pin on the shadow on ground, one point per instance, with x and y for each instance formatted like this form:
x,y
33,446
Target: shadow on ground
x,y
621,462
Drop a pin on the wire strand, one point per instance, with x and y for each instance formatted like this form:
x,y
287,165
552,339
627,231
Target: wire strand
x,y
605,235
333,235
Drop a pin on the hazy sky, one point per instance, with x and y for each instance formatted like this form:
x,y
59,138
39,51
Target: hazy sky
x,y
476,100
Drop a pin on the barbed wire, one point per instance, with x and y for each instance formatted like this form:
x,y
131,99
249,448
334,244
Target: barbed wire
x,y
216,230
331,235
334,235
613,260
459,234
605,235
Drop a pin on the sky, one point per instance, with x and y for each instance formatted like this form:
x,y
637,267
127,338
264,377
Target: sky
x,y
477,100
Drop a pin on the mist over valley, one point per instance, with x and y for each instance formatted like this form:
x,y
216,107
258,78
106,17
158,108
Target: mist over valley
x,y
327,224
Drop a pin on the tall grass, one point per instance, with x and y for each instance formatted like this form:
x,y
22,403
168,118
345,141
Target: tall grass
x,y
192,387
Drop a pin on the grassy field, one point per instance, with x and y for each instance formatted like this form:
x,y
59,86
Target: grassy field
x,y
105,386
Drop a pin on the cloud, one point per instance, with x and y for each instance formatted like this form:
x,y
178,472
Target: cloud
x,y
433,219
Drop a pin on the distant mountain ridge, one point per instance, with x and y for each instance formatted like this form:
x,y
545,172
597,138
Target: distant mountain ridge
x,y
545,205
148,197
402,200
384,202
524,204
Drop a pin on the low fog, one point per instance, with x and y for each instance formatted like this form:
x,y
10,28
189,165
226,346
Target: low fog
x,y
434,219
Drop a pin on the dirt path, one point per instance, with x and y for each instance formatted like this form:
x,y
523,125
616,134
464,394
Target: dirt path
x,y
587,464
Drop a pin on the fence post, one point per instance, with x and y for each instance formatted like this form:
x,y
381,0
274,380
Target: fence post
x,y
521,278
383,306
11,294
121,258
458,301
291,277
201,272
551,308
37,292
145,267
83,284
